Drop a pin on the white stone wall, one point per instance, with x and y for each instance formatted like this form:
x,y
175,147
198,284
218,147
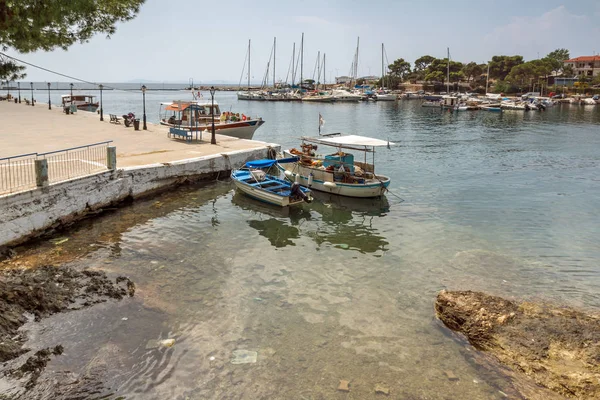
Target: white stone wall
x,y
28,214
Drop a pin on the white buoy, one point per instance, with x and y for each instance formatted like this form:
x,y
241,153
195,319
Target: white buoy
x,y
297,179
310,179
329,185
289,174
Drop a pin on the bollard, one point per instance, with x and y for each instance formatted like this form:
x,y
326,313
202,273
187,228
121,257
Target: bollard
x,y
111,158
41,172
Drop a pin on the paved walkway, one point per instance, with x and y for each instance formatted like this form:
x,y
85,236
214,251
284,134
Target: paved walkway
x,y
26,129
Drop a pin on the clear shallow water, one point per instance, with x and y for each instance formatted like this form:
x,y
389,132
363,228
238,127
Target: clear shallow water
x,y
340,289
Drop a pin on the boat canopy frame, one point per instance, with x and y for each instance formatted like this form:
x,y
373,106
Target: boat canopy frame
x,y
350,142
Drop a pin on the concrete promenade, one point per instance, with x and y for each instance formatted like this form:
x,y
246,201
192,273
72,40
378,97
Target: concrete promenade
x,y
147,161
26,129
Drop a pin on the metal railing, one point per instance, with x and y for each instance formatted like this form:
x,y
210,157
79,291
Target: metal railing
x,y
17,173
76,161
28,171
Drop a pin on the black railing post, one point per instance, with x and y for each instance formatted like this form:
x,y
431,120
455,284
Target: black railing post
x,y
144,101
101,110
213,138
49,102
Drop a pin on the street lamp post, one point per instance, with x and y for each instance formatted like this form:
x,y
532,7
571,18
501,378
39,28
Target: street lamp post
x,y
144,101
213,139
49,103
19,86
32,100
101,110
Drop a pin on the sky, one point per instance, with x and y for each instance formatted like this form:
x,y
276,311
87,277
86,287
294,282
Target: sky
x,y
207,41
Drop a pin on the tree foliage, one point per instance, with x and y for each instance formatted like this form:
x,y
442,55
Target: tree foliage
x,y
500,66
568,71
10,71
399,68
437,71
30,25
521,75
423,62
472,70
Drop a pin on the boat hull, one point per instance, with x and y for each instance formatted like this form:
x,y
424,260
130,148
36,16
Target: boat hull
x,y
372,189
281,197
240,130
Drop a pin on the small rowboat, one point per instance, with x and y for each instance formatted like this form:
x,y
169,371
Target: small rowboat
x,y
254,181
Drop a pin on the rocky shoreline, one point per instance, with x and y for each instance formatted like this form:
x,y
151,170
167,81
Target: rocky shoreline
x,y
551,352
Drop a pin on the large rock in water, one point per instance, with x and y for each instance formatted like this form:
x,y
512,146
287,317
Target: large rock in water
x,y
559,348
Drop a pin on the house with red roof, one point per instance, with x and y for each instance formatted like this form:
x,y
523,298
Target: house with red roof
x,y
585,65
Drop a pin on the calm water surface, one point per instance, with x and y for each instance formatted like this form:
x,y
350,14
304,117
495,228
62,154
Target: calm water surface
x,y
341,288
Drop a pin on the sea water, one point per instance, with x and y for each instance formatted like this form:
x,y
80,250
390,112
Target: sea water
x,y
340,289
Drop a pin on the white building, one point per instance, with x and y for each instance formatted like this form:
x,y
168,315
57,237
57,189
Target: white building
x,y
585,65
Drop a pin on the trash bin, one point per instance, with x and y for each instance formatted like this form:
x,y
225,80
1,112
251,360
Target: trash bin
x,y
73,108
136,124
16,101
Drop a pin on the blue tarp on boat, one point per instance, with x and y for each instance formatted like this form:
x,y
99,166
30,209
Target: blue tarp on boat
x,y
260,163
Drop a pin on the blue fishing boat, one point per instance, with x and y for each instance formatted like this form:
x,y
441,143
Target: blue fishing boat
x,y
254,181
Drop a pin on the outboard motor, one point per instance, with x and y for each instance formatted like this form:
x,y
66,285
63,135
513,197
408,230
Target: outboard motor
x,y
297,191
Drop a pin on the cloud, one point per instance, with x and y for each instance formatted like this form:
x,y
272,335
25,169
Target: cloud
x,y
556,28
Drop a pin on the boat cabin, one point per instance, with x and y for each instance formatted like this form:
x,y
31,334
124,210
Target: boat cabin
x,y
449,101
77,99
188,113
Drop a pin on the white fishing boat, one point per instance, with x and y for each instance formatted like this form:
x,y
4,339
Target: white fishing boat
x,y
511,105
383,96
344,96
83,102
338,172
254,181
413,95
431,104
197,116
318,97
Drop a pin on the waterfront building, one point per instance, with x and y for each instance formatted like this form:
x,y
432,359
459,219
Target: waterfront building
x,y
585,65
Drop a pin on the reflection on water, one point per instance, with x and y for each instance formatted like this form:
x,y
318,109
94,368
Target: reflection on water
x,y
278,232
339,288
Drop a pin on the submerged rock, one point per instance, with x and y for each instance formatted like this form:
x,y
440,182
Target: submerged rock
x,y
558,348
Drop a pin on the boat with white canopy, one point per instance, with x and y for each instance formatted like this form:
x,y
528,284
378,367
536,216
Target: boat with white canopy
x,y
337,172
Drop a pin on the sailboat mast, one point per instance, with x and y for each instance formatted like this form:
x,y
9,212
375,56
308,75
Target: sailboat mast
x,y
356,59
294,64
324,80
448,74
487,79
274,52
301,62
382,73
318,68
248,64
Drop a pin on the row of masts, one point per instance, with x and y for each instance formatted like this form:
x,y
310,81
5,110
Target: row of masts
x,y
320,65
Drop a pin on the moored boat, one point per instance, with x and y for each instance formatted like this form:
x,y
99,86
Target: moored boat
x,y
337,173
198,116
83,102
255,182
